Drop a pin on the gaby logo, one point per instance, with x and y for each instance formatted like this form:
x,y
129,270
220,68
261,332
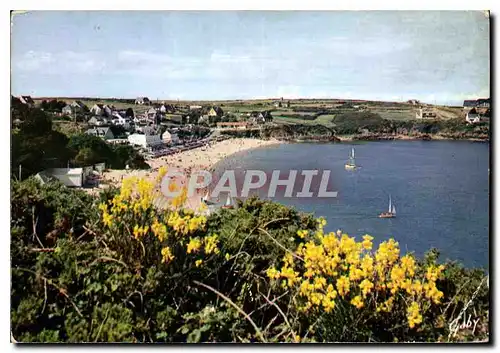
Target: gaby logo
x,y
306,183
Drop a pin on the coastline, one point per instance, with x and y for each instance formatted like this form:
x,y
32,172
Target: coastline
x,y
421,137
202,158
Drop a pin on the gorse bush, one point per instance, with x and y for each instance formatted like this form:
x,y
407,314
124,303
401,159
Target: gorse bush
x,y
118,268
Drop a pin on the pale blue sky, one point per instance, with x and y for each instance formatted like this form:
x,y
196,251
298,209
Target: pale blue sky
x,y
437,57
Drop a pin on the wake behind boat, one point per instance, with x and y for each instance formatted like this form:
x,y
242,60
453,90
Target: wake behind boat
x,y
391,213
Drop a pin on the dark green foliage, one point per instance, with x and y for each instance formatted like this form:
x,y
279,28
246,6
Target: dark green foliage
x,y
74,282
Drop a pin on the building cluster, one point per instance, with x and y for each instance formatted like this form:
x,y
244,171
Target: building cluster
x,y
425,113
73,177
477,111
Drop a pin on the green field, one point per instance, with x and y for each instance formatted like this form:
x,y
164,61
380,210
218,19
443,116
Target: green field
x,y
301,111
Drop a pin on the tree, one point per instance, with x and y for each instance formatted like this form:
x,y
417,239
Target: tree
x,y
86,156
98,146
129,113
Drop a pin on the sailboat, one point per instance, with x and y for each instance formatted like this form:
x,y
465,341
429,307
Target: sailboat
x,y
391,213
351,164
205,199
229,203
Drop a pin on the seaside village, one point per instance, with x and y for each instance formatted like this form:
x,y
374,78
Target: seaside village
x,y
159,131
155,129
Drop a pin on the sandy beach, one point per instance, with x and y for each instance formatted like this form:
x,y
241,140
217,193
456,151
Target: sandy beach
x,y
202,158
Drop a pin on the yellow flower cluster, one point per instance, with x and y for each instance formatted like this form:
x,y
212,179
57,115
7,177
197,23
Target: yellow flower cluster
x,y
139,232
167,255
414,316
186,224
134,202
334,267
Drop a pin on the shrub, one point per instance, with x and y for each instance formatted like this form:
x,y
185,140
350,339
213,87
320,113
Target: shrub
x,y
117,268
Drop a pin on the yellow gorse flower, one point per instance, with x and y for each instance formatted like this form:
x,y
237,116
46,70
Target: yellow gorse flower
x,y
357,301
413,314
194,245
166,254
211,244
335,267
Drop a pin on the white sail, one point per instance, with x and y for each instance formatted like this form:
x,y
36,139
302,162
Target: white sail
x,y
393,209
205,198
390,204
228,200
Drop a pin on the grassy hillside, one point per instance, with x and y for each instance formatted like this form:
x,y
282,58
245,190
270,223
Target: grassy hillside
x,y
300,111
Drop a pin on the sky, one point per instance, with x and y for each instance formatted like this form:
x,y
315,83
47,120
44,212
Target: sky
x,y
436,57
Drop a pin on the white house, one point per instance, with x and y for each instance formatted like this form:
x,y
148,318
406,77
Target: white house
x,y
102,132
195,107
68,109
151,113
142,100
148,139
473,116
169,138
96,121
425,114
73,177
97,109
121,122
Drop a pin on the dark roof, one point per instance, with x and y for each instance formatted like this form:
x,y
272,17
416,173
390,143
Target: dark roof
x,y
470,103
483,100
473,111
103,130
28,99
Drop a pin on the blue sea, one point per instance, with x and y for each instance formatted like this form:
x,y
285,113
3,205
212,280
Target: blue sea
x,y
440,190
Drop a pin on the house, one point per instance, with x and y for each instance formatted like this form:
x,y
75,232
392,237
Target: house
x,y
478,103
142,101
103,132
121,121
473,116
425,114
79,106
27,100
151,113
170,138
469,104
212,112
257,118
204,119
483,103
108,110
97,109
67,110
96,121
149,138
72,177
195,107
281,103
162,109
